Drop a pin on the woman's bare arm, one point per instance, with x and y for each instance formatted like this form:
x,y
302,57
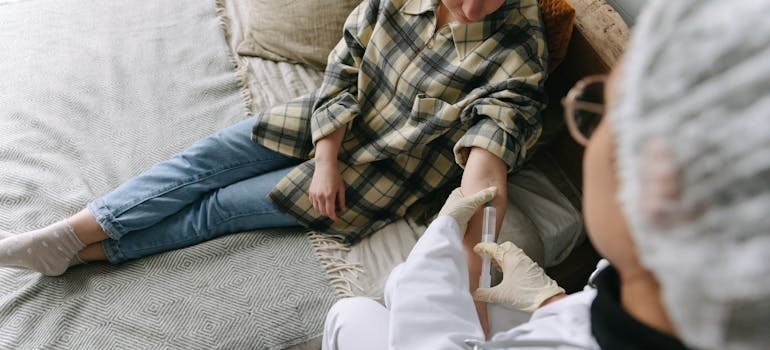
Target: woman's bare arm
x,y
483,169
327,191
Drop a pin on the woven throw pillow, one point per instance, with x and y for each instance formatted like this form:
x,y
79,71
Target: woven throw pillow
x,y
558,16
273,34
295,31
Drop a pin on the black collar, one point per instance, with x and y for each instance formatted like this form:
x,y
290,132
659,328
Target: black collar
x,y
614,328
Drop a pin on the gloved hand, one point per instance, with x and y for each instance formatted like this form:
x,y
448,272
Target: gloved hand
x,y
461,208
525,285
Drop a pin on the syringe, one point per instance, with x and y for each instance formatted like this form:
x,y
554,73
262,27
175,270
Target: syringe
x,y
487,235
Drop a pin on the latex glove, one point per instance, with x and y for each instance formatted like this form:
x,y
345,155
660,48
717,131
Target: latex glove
x,y
461,208
525,285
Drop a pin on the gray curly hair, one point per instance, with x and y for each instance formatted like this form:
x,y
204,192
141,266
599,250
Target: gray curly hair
x,y
691,120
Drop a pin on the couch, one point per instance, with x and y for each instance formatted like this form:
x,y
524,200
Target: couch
x,y
94,92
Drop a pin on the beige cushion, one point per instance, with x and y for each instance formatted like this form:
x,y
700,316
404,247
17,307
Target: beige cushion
x,y
295,31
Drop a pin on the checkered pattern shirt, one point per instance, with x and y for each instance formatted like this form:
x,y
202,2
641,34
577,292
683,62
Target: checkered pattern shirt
x,y
413,100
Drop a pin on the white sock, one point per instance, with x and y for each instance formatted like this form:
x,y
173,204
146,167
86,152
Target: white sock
x,y
50,250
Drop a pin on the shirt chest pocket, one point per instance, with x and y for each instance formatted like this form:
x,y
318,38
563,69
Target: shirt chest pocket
x,y
433,112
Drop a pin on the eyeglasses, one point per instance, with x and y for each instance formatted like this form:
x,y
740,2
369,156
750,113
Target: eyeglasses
x,y
584,107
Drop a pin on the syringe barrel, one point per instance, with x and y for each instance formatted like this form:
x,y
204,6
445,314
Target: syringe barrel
x,y
490,221
487,235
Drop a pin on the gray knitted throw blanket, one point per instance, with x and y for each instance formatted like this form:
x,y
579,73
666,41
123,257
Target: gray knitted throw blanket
x,y
92,93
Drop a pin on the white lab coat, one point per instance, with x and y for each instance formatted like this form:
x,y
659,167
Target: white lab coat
x,y
428,307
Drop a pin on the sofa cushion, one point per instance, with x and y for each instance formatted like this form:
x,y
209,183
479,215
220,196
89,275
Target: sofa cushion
x,y
295,31
305,32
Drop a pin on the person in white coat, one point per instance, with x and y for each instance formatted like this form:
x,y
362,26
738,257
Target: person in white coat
x,y
676,198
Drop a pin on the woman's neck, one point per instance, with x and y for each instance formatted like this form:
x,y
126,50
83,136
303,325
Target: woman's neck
x,y
640,297
443,16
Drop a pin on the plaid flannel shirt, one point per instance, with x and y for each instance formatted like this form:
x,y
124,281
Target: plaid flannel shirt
x,y
413,99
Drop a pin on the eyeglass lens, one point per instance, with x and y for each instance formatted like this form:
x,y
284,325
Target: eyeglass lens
x,y
586,119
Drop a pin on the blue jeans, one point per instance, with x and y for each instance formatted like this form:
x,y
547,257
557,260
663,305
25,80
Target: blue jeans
x,y
219,185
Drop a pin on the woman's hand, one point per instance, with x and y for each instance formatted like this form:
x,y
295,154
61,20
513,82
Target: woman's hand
x,y
327,190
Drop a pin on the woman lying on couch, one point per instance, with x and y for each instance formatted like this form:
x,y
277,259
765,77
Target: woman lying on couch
x,y
408,99
676,198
